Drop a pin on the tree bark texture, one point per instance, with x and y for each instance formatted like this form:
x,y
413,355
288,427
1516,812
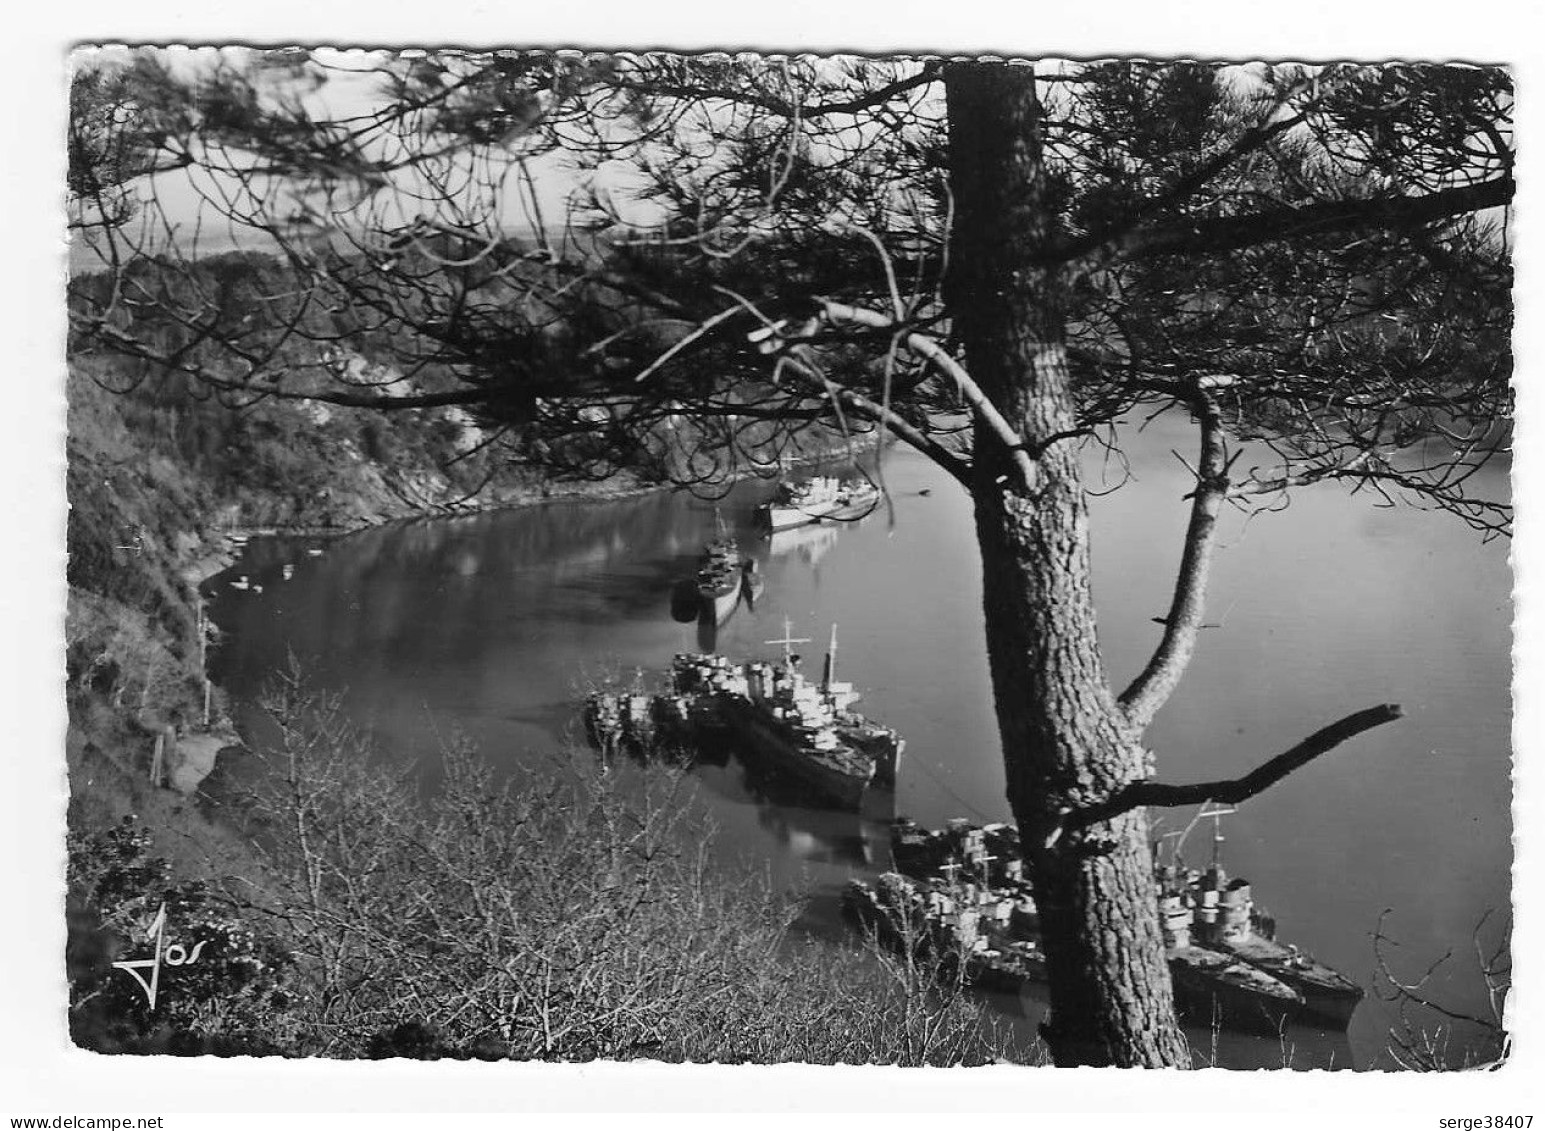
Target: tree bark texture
x,y
1066,742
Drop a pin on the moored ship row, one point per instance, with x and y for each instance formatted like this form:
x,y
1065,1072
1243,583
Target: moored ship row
x,y
960,894
991,944
803,730
964,892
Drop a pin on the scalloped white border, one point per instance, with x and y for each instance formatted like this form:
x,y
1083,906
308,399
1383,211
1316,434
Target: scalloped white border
x,y
39,1072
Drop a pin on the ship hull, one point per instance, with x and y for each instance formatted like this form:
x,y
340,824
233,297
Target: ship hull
x,y
618,721
1253,984
1329,997
1211,989
998,971
718,601
854,508
783,517
881,744
1004,977
782,752
1329,1008
787,518
719,580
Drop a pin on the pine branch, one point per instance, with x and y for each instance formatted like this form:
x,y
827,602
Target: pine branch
x,y
1229,233
1230,791
1149,691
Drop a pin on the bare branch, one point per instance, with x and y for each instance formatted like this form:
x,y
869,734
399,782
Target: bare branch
x,y
654,85
1246,143
934,352
958,468
701,329
1351,468
1149,691
1422,1033
1229,233
1229,791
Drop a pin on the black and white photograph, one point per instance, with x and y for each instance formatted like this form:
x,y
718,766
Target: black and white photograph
x,y
606,556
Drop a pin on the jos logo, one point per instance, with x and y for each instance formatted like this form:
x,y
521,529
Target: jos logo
x,y
174,955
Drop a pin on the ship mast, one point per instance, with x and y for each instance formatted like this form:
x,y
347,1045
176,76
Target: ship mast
x,y
1217,832
1201,814
830,672
788,642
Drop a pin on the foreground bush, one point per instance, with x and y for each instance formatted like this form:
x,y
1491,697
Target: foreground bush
x,y
554,917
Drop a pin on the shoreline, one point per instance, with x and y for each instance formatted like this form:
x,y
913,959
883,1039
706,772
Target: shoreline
x,y
594,493
233,542
234,538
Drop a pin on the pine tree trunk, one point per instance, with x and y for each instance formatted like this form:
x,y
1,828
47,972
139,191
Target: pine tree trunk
x,y
1065,740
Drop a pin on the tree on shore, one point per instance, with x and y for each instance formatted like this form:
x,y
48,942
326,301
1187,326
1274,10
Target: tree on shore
x,y
992,262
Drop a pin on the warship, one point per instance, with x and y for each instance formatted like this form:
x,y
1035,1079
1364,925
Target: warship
x,y
824,496
990,944
1219,913
1224,960
802,730
720,575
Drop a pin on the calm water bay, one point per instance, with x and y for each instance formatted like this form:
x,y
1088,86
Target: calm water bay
x,y
494,624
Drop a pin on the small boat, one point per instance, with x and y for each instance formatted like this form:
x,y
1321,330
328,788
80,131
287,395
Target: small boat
x,y
620,718
242,582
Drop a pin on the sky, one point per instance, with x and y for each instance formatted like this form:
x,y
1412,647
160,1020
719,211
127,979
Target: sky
x,y
351,89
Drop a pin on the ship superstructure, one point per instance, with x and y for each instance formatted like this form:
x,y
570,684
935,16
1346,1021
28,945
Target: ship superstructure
x,y
988,938
800,729
1225,965
1209,909
720,574
824,496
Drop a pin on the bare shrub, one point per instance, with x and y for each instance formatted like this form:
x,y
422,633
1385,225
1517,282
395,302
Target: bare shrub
x,y
1430,1035
556,916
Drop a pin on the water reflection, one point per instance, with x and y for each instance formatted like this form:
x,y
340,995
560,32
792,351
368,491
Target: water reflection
x,y
825,835
810,543
684,602
707,634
